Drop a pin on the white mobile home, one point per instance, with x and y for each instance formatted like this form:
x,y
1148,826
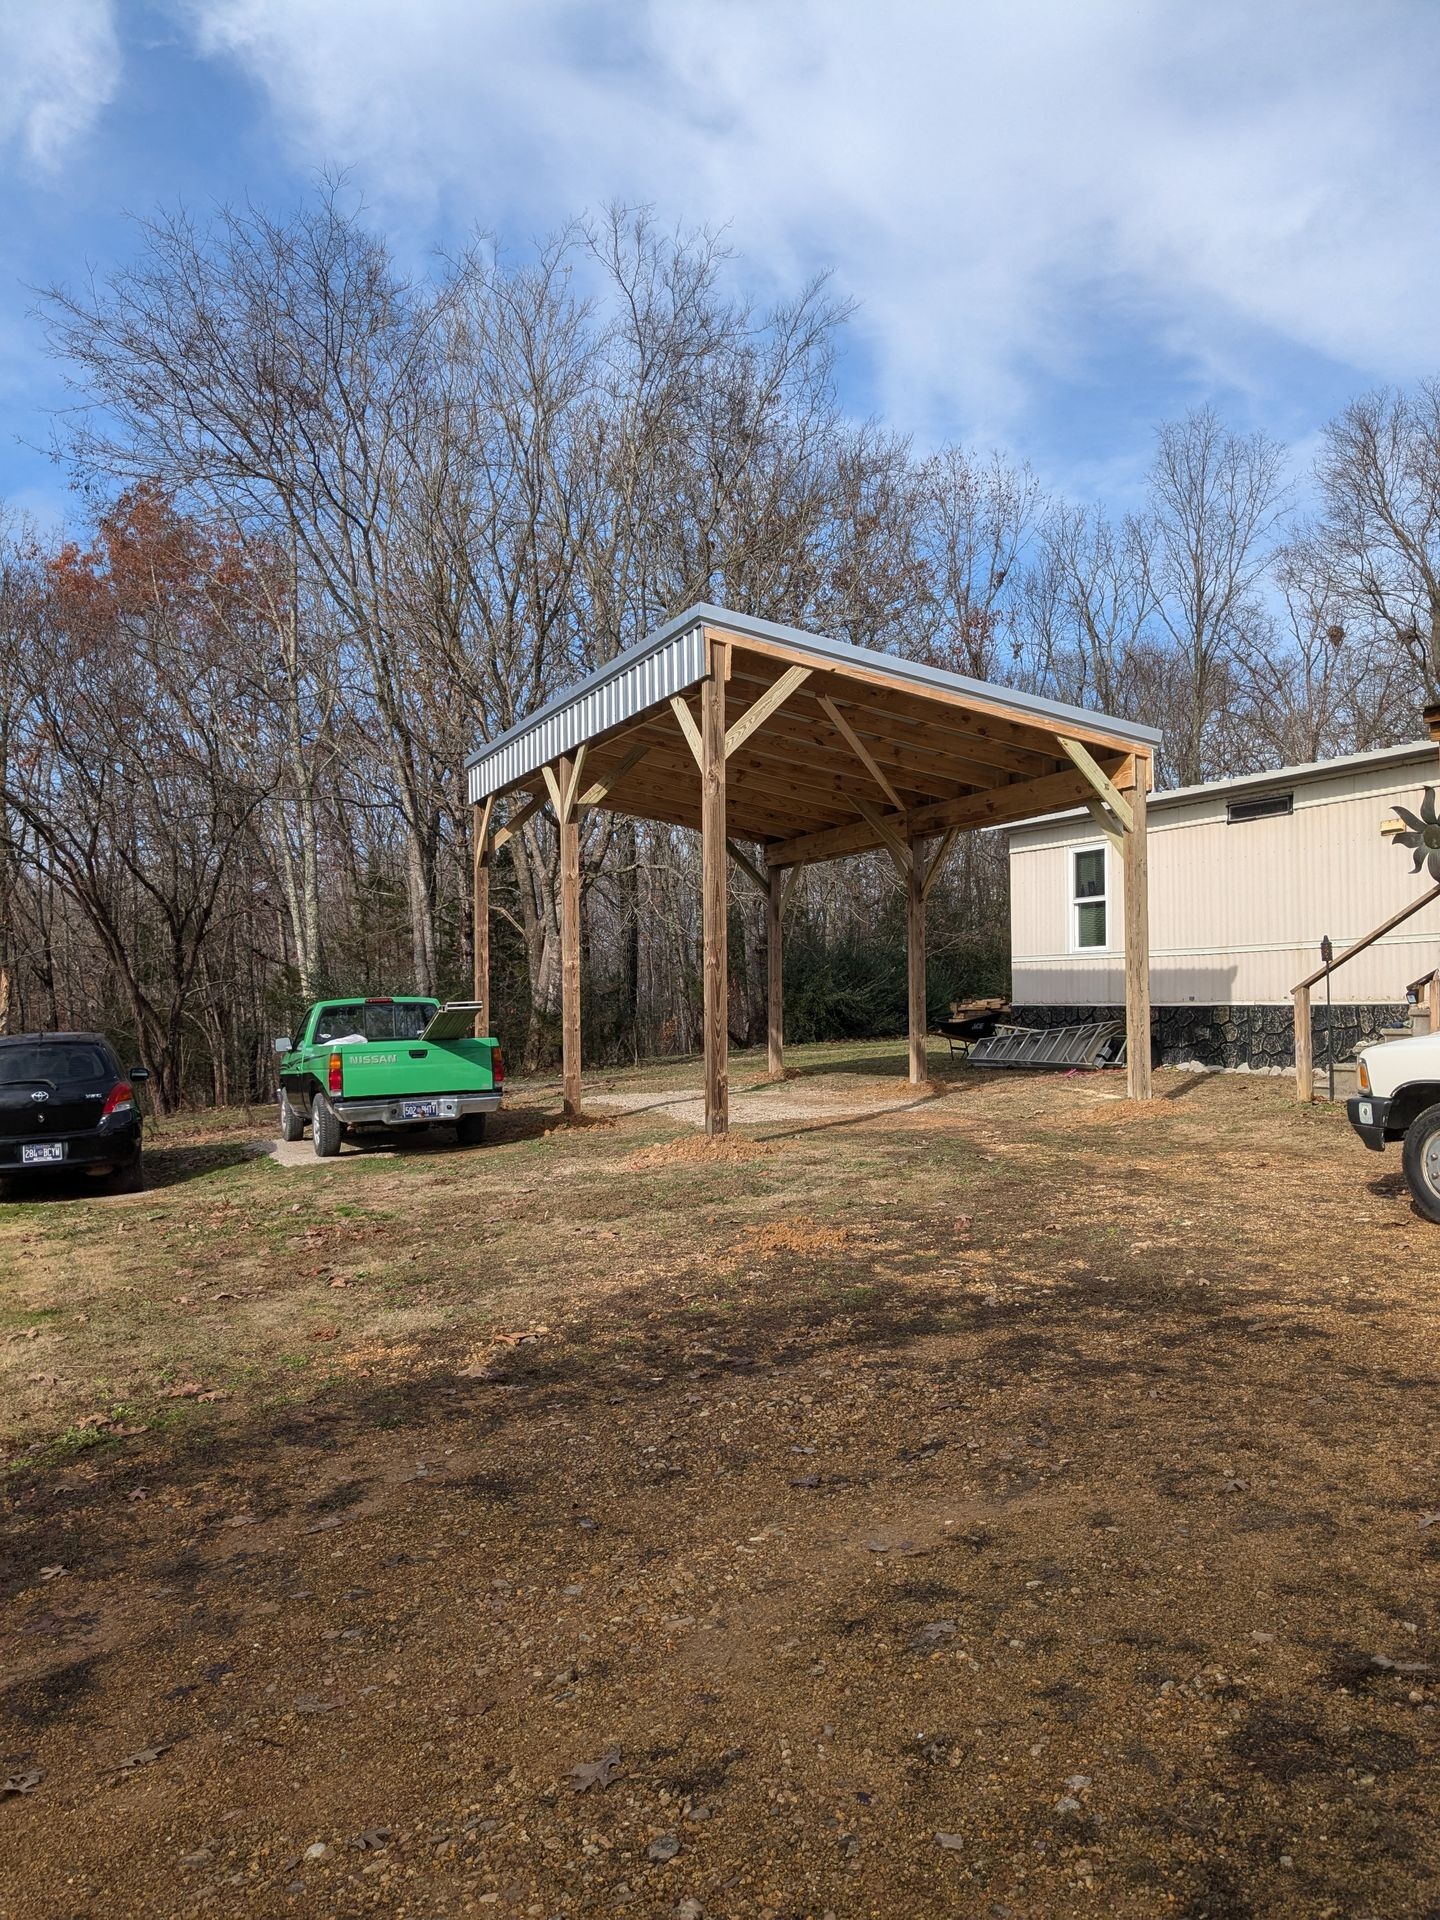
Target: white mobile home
x,y
1246,877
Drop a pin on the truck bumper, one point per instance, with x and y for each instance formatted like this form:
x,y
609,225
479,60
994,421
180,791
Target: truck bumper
x,y
390,1112
1367,1116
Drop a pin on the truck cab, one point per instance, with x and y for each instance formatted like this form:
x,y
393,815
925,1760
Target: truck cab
x,y
1398,1099
381,1062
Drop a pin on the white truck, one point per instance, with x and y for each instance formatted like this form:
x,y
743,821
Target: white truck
x,y
1399,1099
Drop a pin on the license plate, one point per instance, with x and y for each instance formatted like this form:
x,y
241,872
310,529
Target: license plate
x,y
1365,1113
428,1109
38,1155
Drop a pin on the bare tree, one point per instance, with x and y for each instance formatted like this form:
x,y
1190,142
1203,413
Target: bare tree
x,y
1216,505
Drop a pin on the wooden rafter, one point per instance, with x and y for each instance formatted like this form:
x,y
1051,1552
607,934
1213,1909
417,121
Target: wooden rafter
x,y
891,833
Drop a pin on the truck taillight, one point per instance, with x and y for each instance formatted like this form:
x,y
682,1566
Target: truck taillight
x,y
120,1099
335,1073
1362,1076
497,1067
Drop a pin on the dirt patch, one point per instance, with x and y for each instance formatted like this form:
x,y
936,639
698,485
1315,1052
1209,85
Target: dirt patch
x,y
731,1149
798,1237
943,1519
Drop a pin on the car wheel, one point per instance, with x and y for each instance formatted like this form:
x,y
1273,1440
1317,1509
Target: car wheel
x,y
129,1179
1421,1161
325,1128
470,1129
292,1124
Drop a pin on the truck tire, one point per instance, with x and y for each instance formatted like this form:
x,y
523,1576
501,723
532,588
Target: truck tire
x,y
470,1129
325,1128
292,1124
1421,1161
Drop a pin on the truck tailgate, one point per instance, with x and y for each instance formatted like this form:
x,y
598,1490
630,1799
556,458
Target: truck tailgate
x,y
381,1069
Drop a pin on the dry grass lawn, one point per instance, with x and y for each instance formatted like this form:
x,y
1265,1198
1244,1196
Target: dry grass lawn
x,y
1007,1503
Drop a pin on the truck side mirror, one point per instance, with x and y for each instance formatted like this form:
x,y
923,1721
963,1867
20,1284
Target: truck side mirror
x,y
283,1044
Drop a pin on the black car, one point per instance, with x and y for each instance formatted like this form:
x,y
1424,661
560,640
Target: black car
x,y
66,1104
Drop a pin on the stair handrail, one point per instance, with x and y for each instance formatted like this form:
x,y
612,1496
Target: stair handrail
x,y
1300,992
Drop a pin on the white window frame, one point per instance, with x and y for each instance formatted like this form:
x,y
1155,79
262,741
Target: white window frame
x,y
1105,899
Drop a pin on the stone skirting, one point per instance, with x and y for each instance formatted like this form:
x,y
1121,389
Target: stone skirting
x,y
1258,1038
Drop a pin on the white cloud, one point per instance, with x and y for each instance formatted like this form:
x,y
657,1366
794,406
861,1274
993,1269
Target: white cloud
x,y
1003,186
59,67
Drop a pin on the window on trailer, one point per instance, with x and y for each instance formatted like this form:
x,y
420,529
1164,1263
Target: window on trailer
x,y
1089,899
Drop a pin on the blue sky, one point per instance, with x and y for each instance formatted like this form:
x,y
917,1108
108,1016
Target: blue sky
x,y
1063,220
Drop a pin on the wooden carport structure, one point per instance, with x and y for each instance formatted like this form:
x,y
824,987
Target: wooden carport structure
x,y
803,749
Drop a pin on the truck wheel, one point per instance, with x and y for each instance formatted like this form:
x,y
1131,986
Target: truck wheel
x,y
292,1124
470,1129
325,1128
1421,1160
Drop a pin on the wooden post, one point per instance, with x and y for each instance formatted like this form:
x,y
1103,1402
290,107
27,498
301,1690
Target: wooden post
x,y
480,867
1304,1046
569,941
1137,941
915,963
714,893
1432,1000
775,969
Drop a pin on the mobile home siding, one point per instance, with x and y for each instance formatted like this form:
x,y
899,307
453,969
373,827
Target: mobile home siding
x,y
1238,911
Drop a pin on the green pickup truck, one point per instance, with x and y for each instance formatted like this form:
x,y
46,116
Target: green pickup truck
x,y
387,1063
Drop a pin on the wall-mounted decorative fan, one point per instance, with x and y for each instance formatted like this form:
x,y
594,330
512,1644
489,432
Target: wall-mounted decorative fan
x,y
1423,835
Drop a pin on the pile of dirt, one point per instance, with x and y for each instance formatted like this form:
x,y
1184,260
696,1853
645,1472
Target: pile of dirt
x,y
729,1149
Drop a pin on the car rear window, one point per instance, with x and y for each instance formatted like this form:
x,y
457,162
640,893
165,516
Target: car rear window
x,y
57,1064
375,1019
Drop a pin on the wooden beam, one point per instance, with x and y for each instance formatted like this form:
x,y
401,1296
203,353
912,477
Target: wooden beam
x,y
1077,751
1015,801
861,751
569,951
554,784
688,727
714,895
1304,1045
1137,947
595,794
775,967
480,913
937,861
572,786
517,820
760,710
1105,820
899,849
747,865
915,967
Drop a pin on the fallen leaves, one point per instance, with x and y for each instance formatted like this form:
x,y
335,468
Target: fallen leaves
x,y
594,1773
20,1783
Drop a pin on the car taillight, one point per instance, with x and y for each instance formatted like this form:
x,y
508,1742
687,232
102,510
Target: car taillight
x,y
120,1099
334,1073
1362,1077
497,1067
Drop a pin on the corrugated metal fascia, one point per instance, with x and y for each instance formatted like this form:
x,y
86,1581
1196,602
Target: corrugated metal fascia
x,y
608,698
